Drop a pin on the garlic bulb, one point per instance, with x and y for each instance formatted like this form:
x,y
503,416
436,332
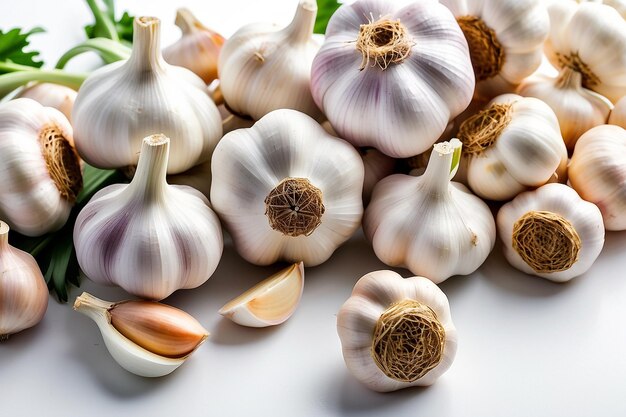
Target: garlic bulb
x,y
23,291
148,237
123,102
286,189
505,39
197,49
551,232
377,166
392,75
618,114
589,38
512,145
57,96
396,332
619,5
146,338
577,108
262,68
431,226
39,167
270,302
597,172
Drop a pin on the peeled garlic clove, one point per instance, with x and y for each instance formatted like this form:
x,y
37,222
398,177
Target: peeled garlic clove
x,y
56,96
23,291
270,302
198,49
618,114
146,338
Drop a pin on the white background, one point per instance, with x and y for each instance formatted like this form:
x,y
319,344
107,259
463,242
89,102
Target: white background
x,y
527,347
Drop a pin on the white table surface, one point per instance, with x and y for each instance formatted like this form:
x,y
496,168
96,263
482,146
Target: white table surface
x,y
527,347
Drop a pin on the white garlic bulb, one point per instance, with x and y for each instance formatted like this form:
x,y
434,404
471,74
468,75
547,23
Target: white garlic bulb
x,y
146,338
589,38
23,291
577,108
619,5
618,114
392,75
286,189
56,96
198,49
39,167
262,68
433,227
270,302
123,102
512,145
551,232
148,237
396,332
597,172
377,166
505,39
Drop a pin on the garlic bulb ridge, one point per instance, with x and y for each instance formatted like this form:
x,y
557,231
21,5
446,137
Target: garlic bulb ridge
x,y
123,102
148,237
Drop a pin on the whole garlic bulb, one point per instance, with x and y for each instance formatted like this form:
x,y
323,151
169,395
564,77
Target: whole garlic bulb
x,y
577,108
433,227
589,38
551,232
262,68
123,102
56,96
148,237
198,49
39,167
513,144
392,75
618,114
505,39
396,332
23,291
286,189
597,171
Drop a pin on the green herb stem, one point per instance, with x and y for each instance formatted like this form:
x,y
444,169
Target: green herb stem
x,y
109,50
13,80
104,26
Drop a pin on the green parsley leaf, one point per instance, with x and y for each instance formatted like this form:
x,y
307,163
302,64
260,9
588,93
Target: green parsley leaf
x,y
325,9
12,44
107,26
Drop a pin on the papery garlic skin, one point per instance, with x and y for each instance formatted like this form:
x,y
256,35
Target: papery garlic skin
x,y
433,227
597,171
148,237
39,168
559,199
262,68
198,48
287,147
399,106
121,103
618,114
23,290
505,38
377,166
372,295
56,96
514,144
131,355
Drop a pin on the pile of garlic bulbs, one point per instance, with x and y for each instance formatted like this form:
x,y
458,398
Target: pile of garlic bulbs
x,y
296,144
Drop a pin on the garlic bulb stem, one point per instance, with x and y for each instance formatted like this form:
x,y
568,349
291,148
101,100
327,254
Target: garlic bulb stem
x,y
442,165
150,181
4,236
186,21
300,29
146,55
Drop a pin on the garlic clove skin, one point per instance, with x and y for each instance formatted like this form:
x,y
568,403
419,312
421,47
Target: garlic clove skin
x,y
618,114
149,237
374,295
198,49
56,96
551,232
597,171
121,103
23,290
126,352
270,302
40,168
262,69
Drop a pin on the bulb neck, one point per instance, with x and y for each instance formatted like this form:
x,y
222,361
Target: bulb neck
x,y
569,79
576,64
187,22
4,235
442,166
301,27
149,182
146,54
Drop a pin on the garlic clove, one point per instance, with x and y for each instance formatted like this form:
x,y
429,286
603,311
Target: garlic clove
x,y
270,302
139,333
56,96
